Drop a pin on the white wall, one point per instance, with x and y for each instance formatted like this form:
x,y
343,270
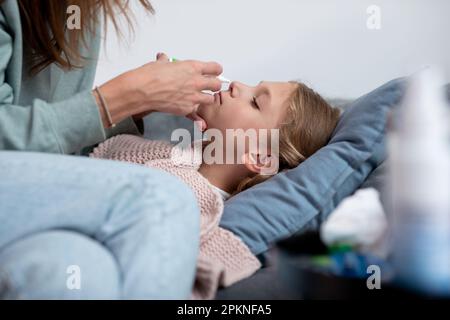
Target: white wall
x,y
325,43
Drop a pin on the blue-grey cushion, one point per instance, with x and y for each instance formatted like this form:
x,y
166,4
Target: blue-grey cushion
x,y
301,198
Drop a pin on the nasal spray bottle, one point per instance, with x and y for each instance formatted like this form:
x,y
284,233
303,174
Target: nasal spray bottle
x,y
420,187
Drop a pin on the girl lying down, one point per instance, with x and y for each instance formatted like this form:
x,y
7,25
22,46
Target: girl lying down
x,y
305,122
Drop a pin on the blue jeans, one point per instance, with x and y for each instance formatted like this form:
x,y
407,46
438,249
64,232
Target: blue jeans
x,y
79,228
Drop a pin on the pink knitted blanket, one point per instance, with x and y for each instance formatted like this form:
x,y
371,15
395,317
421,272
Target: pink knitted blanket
x,y
223,259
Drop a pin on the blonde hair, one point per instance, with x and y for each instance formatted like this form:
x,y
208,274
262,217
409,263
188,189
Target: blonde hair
x,y
309,126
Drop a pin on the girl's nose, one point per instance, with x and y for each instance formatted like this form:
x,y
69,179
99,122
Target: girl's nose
x,y
235,88
235,84
239,89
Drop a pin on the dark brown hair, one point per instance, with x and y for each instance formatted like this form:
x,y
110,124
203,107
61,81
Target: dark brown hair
x,y
45,38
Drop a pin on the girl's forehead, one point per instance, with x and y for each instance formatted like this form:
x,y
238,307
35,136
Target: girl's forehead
x,y
277,91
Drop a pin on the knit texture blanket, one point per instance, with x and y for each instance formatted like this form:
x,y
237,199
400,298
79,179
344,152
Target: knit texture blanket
x,y
223,258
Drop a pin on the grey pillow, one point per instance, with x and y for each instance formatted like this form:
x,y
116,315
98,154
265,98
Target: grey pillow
x,y
301,198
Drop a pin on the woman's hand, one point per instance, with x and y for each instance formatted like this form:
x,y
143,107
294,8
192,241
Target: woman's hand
x,y
163,86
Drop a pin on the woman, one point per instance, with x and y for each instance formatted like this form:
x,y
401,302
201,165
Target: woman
x,y
83,228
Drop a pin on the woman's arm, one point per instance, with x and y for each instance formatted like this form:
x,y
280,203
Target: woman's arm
x,y
45,127
162,86
69,125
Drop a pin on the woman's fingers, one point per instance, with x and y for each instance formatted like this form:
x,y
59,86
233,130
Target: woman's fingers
x,y
203,98
209,83
211,69
174,87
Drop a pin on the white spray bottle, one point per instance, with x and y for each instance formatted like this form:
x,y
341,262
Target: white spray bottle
x,y
419,156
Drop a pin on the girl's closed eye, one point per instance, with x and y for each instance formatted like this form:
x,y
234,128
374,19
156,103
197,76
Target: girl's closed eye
x,y
255,103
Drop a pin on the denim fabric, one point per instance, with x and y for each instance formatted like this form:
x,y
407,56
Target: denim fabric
x,y
42,266
139,227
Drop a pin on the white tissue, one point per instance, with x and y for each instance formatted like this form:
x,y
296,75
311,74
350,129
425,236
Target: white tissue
x,y
359,221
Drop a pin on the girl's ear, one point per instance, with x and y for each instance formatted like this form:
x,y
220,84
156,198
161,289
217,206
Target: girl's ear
x,y
259,164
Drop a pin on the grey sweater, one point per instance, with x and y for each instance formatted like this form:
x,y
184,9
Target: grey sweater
x,y
55,110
